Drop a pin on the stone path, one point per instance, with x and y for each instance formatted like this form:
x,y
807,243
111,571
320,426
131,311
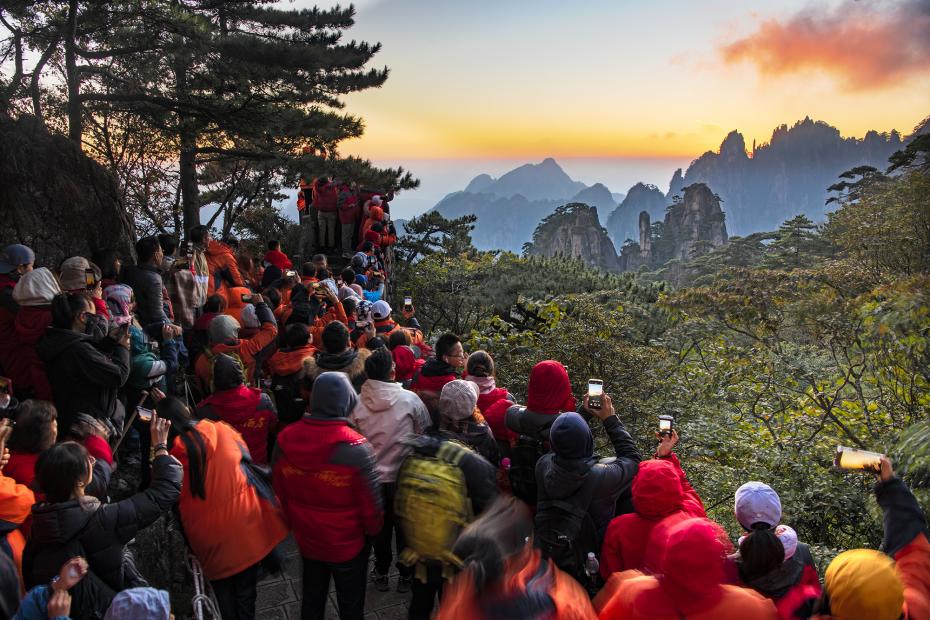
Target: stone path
x,y
279,597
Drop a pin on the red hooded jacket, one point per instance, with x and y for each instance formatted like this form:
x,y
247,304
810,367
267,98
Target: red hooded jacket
x,y
278,258
549,390
325,478
31,324
247,410
690,585
662,497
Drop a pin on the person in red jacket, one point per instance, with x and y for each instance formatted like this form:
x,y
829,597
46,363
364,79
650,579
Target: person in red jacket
x,y
15,260
325,199
34,293
248,410
865,583
438,371
348,205
325,477
274,256
691,583
493,401
662,497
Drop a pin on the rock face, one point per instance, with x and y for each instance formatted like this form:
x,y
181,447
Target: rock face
x,y
623,222
697,220
575,231
54,198
691,227
786,177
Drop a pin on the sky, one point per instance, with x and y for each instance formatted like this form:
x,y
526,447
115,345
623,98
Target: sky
x,y
620,91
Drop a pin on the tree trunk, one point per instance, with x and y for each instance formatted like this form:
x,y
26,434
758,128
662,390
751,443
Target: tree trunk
x,y
72,76
187,160
187,167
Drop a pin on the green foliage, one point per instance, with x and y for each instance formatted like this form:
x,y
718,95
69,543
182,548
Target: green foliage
x,y
771,350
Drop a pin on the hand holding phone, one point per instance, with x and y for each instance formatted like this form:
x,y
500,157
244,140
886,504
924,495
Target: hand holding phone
x,y
854,459
666,425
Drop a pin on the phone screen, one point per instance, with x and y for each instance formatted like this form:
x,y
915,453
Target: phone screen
x,y
246,299
90,278
595,393
665,424
144,414
408,301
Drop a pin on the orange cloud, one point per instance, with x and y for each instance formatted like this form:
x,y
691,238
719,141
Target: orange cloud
x,y
865,45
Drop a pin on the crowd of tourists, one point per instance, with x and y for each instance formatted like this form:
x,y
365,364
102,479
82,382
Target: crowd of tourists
x,y
263,402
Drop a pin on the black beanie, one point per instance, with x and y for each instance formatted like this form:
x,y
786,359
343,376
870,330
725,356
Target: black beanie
x,y
227,373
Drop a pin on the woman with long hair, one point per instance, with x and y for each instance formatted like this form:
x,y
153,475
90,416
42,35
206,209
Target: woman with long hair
x,y
229,513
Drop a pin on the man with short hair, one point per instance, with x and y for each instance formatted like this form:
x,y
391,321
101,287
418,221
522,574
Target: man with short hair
x,y
439,370
338,356
388,415
144,278
286,367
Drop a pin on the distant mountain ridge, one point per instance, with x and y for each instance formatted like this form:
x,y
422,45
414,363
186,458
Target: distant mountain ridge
x,y
788,176
758,188
510,207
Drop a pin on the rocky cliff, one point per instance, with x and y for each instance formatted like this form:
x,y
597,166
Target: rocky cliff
x,y
575,231
692,226
54,198
785,177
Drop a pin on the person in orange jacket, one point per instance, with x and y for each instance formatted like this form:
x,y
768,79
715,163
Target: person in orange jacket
x,y
16,502
286,370
222,266
239,306
505,577
864,583
691,584
224,338
231,519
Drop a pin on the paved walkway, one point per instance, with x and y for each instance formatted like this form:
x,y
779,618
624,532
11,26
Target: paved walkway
x,y
279,597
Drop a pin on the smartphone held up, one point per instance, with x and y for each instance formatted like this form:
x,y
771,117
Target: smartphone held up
x,y
666,425
858,460
595,393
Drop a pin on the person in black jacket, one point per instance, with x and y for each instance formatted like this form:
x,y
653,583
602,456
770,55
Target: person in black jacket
x,y
146,282
86,373
570,474
69,523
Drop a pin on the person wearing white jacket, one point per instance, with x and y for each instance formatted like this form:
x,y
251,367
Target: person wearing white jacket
x,y
387,415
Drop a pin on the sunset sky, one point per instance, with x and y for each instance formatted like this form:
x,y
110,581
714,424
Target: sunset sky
x,y
645,85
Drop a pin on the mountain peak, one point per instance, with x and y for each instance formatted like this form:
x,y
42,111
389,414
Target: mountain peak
x,y
543,181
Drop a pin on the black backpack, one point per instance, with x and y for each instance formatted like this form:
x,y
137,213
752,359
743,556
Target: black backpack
x,y
524,454
564,530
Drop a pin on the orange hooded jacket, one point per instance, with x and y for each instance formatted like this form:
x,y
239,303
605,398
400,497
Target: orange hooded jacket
x,y
235,526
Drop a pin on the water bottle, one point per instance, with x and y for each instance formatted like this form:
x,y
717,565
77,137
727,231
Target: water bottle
x,y
591,566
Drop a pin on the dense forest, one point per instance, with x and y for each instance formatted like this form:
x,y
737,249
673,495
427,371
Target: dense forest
x,y
770,350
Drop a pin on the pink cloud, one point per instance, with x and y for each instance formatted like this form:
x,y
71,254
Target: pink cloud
x,y
864,45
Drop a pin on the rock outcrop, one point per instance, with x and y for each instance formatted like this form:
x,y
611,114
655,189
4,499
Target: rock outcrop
x,y
786,177
695,224
54,198
574,231
623,222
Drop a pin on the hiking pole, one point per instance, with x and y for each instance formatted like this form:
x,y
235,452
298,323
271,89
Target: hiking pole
x,y
132,418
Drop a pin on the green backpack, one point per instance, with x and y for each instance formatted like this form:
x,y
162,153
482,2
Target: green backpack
x,y
432,505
